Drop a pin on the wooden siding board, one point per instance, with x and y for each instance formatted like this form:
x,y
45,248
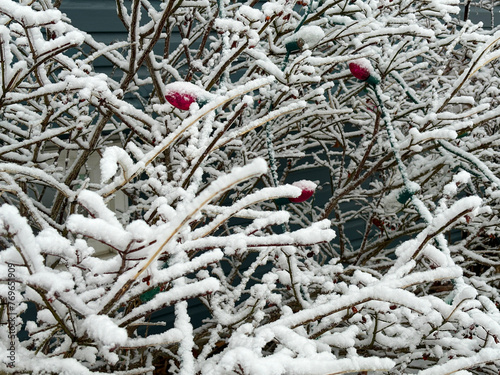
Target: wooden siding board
x,y
94,19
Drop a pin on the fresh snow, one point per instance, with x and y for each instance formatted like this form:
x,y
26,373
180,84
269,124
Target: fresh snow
x,y
181,180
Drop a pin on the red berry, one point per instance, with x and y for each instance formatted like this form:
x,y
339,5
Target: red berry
x,y
147,279
378,223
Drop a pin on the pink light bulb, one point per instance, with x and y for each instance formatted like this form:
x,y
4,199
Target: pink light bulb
x,y
361,69
307,187
180,100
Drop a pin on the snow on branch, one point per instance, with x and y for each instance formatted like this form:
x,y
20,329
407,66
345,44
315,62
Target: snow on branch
x,y
271,188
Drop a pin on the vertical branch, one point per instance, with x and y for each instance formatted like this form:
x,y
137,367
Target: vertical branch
x,y
133,34
270,152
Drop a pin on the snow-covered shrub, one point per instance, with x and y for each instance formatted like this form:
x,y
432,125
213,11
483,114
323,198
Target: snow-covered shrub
x,y
178,180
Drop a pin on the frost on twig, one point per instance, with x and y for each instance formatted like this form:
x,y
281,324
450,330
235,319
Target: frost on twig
x,y
255,188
